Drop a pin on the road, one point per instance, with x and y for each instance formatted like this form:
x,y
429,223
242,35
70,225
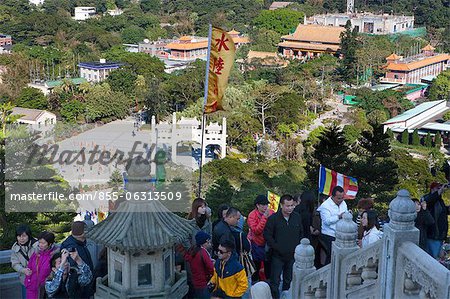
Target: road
x,y
337,112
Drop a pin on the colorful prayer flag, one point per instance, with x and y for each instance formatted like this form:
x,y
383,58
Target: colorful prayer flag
x,y
274,200
221,59
328,179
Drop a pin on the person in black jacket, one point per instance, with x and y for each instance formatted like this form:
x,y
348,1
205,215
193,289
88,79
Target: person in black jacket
x,y
283,233
227,229
77,240
423,221
305,208
437,233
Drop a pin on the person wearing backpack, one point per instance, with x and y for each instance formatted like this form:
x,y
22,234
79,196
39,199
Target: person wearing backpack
x,y
22,250
201,266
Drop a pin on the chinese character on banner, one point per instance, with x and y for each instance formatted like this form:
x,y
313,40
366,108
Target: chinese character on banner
x,y
274,200
221,42
218,66
220,62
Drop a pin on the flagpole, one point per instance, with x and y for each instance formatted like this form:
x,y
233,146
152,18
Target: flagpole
x,y
203,110
318,189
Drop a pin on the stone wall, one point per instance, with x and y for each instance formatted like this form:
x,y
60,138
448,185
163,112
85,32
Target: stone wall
x,y
393,267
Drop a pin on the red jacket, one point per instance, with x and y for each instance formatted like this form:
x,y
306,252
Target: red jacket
x,y
256,222
202,268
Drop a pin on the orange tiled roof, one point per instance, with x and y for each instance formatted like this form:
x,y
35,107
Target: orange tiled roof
x,y
266,58
279,4
309,46
233,32
257,54
428,48
316,33
417,64
241,40
393,56
188,46
185,38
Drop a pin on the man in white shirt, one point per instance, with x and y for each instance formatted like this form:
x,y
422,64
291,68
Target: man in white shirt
x,y
331,211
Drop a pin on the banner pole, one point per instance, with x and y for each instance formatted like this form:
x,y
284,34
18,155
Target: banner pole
x,y
318,189
203,110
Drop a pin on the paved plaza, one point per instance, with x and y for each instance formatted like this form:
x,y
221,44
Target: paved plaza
x,y
115,138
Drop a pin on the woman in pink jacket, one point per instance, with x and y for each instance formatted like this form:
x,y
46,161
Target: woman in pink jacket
x,y
39,264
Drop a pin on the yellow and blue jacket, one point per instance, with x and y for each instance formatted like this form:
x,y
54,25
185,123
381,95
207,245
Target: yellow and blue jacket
x,y
230,277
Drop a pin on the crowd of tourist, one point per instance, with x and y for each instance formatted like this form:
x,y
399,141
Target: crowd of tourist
x,y
50,271
221,259
218,269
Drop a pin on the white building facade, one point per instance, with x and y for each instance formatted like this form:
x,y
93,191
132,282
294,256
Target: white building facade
x,y
38,120
97,71
366,22
36,2
82,13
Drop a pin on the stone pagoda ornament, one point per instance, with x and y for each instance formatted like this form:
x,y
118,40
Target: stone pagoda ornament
x,y
140,237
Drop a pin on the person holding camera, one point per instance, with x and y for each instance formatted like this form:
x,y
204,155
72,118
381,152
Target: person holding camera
x,y
65,281
437,233
77,240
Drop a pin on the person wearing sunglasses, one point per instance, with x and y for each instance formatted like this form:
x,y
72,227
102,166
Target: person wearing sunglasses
x,y
229,279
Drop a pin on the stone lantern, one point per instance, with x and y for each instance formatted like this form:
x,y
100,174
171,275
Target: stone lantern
x,y
140,237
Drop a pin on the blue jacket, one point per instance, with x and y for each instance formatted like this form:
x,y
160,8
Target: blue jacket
x,y
230,277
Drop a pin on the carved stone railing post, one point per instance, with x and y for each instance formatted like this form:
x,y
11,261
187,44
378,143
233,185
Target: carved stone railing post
x,y
402,213
346,234
304,265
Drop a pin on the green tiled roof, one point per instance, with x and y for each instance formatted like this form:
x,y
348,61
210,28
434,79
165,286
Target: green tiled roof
x,y
75,81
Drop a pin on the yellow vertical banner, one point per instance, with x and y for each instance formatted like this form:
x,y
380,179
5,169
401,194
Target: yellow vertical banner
x,y
274,200
220,62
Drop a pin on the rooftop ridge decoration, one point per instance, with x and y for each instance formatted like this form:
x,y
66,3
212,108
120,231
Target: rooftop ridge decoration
x,y
141,225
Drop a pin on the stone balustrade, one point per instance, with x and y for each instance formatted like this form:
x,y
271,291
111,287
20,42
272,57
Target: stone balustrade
x,y
393,267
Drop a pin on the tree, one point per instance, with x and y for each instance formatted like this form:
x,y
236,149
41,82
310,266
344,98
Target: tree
x,y
32,98
41,179
405,137
103,103
280,20
440,89
17,70
152,6
221,192
6,117
428,141
71,110
122,80
438,140
266,97
390,133
331,151
349,47
133,34
415,140
264,40
373,166
446,116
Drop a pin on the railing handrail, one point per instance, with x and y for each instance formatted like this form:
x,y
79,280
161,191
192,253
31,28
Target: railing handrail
x,y
373,249
428,272
5,256
321,273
